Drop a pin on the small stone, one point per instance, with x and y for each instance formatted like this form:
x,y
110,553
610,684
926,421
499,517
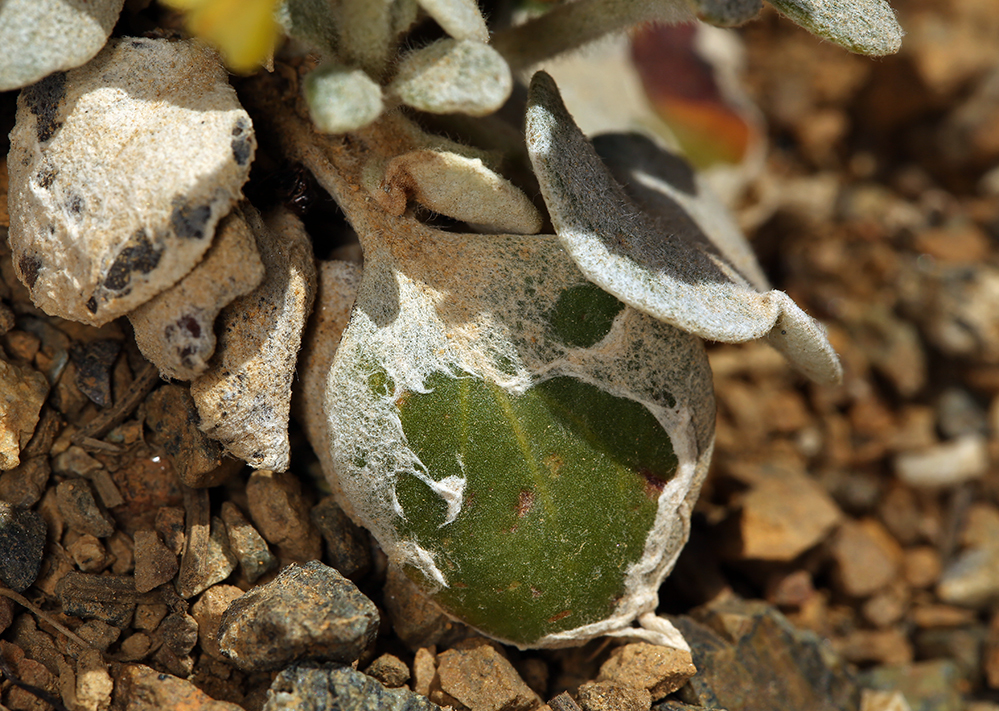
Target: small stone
x,y
887,606
960,414
80,509
135,647
179,632
930,616
867,558
244,398
22,540
155,564
661,670
22,392
24,484
148,616
75,461
99,634
143,689
21,346
88,554
94,362
93,682
281,514
308,611
347,544
173,419
872,700
921,566
389,670
932,685
250,548
959,460
972,580
611,696
783,517
889,646
170,524
208,612
483,680
416,619
424,670
123,550
331,686
110,598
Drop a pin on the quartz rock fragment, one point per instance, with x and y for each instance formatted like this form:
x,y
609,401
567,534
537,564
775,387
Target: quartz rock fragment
x,y
480,678
155,564
119,172
208,611
308,611
661,670
246,542
143,689
174,329
44,36
81,510
22,393
245,397
281,513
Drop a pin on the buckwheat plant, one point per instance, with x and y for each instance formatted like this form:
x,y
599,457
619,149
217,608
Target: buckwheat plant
x,y
520,408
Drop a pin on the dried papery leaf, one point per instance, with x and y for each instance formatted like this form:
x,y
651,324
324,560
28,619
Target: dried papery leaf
x,y
309,22
44,36
337,289
664,263
119,172
453,76
366,33
175,329
571,25
342,99
461,19
245,396
862,26
459,187
726,13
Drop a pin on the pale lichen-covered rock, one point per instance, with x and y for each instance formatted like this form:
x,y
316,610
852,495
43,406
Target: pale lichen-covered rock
x,y
174,329
22,392
244,398
44,36
119,172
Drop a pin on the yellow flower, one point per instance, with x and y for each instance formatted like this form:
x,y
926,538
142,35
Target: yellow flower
x,y
244,31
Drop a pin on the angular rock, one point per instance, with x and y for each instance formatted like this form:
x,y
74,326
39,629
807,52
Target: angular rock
x,y
247,544
416,619
179,632
640,665
94,362
281,514
88,554
106,214
93,682
173,418
22,540
972,579
143,689
482,679
99,634
80,509
44,36
313,687
749,657
866,556
155,564
175,329
347,546
611,696
109,598
24,484
207,558
245,397
22,392
424,670
308,612
389,670
208,611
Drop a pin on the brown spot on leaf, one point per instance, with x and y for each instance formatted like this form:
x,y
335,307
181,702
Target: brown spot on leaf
x,y
559,616
525,502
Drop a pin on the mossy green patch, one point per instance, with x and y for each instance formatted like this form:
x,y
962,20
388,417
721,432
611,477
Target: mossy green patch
x,y
562,489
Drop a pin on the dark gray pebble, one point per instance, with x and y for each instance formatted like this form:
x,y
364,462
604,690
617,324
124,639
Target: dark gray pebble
x,y
22,543
314,687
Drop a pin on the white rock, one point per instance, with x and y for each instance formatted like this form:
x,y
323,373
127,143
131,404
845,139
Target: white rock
x,y
119,172
947,464
22,392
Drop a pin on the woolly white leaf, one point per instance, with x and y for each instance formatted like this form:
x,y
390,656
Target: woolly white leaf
x,y
663,264
862,26
342,99
460,18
